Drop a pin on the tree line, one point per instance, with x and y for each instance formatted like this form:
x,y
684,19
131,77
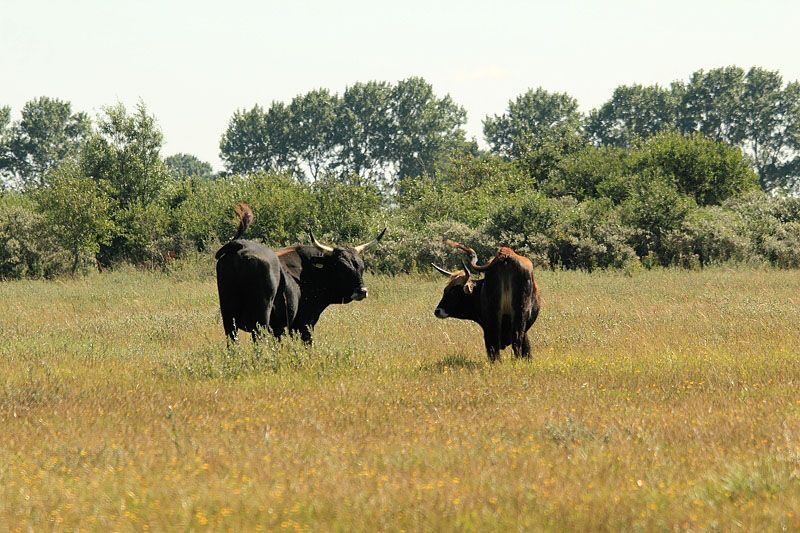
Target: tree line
x,y
655,176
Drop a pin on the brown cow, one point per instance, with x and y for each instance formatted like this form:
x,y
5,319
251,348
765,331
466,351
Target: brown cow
x,y
505,302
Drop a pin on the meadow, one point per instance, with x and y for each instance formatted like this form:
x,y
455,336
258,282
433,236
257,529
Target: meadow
x,y
655,400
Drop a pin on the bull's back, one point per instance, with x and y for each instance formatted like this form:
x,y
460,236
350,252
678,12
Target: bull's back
x,y
248,279
510,294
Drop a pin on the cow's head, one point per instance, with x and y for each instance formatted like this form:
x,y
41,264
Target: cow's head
x,y
344,268
457,300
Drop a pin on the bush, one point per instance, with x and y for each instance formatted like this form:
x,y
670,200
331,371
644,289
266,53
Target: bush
x,y
408,248
26,249
709,171
707,235
653,209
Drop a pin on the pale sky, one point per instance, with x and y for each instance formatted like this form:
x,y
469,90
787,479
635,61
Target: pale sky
x,y
194,62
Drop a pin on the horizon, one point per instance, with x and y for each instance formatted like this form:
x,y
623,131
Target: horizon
x,y
197,63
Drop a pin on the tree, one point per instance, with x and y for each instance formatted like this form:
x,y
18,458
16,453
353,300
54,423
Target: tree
x,y
771,127
530,115
423,127
125,152
186,165
712,104
6,169
753,111
47,133
312,124
364,128
634,112
77,211
244,146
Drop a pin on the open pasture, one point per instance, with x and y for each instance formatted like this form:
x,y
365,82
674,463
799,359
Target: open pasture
x,y
666,399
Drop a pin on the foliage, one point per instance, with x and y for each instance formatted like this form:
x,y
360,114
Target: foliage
x,y
376,129
77,212
47,133
182,166
528,116
125,153
634,112
27,249
710,171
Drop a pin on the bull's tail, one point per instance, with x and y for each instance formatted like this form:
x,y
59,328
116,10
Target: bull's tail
x,y
246,217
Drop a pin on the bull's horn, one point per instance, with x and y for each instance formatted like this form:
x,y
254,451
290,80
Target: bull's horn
x,y
440,269
319,246
467,268
367,245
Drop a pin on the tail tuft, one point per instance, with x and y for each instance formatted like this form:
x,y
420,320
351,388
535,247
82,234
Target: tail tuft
x,y
246,217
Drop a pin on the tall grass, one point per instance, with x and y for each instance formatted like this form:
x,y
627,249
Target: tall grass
x,y
662,400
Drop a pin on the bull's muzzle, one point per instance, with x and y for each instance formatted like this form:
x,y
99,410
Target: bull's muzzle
x,y
360,294
440,313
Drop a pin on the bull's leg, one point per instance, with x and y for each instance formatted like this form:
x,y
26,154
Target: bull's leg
x,y
229,324
306,334
491,339
522,346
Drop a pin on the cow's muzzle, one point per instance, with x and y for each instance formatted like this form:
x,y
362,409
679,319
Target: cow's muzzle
x,y
360,294
440,313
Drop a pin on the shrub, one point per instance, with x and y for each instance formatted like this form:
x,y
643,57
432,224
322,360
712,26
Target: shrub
x,y
653,209
707,235
708,170
26,248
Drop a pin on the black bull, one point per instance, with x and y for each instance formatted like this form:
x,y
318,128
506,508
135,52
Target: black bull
x,y
285,290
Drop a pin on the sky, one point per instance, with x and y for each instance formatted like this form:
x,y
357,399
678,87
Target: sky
x,y
194,62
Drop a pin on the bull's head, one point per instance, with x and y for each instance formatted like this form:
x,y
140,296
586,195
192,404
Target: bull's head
x,y
458,300
345,268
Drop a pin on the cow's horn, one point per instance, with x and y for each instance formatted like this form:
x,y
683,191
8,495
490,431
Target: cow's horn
x,y
440,269
319,246
367,245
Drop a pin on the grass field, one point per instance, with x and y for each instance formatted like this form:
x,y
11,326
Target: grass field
x,y
662,400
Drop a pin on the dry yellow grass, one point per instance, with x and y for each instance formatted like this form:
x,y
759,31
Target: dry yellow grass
x,y
666,400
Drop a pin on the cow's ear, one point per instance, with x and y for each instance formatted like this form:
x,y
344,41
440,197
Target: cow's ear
x,y
469,287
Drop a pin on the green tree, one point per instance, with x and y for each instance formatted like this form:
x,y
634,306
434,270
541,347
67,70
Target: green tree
x,y
530,115
771,127
77,211
6,169
364,128
754,111
47,133
634,112
312,126
245,145
424,127
187,165
125,152
712,104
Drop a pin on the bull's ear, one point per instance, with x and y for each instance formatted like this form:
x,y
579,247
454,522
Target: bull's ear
x,y
469,287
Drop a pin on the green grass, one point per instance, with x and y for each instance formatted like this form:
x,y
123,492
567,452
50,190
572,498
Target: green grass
x,y
662,400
